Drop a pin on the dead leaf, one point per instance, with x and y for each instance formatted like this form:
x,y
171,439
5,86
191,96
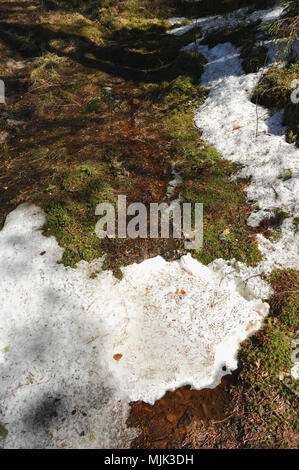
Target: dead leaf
x,y
117,357
3,136
171,418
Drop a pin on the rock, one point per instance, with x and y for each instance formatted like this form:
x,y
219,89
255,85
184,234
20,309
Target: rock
x,y
15,64
3,137
12,122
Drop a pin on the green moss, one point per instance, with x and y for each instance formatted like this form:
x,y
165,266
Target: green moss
x,y
277,220
262,359
295,425
242,36
3,431
187,64
275,87
206,179
181,93
285,174
274,90
264,368
253,58
285,302
94,106
274,351
289,313
70,205
85,31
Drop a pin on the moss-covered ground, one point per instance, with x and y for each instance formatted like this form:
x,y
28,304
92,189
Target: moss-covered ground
x,y
274,91
105,109
263,397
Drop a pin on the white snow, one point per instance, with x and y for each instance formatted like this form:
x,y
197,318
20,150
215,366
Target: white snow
x,y
174,323
231,20
295,371
257,217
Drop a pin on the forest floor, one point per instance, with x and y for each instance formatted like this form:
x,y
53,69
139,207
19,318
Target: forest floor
x,y
101,106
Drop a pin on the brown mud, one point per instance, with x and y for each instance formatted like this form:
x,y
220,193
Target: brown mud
x,y
167,423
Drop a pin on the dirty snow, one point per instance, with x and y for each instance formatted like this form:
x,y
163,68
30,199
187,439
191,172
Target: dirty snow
x,y
253,136
231,20
60,331
228,121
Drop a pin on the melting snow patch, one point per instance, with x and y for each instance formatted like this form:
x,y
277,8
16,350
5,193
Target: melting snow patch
x,y
75,350
250,134
295,371
228,122
231,20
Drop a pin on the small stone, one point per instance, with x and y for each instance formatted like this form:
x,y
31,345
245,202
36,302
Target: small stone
x,y
12,122
3,137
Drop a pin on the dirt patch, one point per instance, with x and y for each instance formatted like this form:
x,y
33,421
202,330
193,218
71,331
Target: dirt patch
x,y
268,227
166,424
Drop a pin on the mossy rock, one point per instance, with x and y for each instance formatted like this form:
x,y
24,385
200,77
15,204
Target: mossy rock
x,y
254,58
243,35
188,63
291,119
274,91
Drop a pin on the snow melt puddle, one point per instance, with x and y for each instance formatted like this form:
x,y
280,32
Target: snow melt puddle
x,y
75,350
